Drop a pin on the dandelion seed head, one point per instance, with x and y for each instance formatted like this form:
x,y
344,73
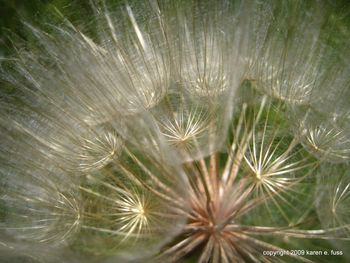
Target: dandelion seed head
x,y
209,80
49,214
325,138
174,130
98,151
332,202
185,128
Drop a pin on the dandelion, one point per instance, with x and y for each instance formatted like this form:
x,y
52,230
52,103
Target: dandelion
x,y
177,132
332,205
324,136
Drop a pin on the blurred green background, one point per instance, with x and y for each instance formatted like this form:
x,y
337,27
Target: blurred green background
x,y
13,12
